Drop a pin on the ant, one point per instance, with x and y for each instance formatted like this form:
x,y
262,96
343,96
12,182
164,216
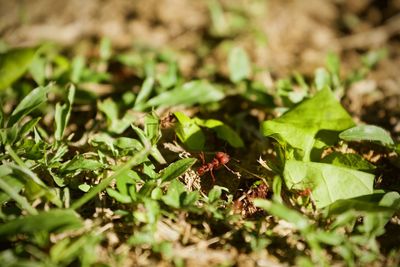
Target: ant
x,y
219,160
305,193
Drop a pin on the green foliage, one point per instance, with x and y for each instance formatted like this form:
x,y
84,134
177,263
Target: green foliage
x,y
328,183
51,221
13,65
30,102
299,126
194,92
370,133
190,133
68,153
238,64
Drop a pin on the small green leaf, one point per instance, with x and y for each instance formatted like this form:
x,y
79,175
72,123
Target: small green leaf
x,y
30,102
194,92
77,67
238,64
51,221
176,169
13,65
38,70
189,132
84,187
191,198
79,163
169,78
367,133
27,127
63,113
118,196
214,194
144,92
327,183
172,198
322,79
223,131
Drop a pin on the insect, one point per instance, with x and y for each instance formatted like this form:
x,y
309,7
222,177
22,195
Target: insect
x,y
305,193
220,159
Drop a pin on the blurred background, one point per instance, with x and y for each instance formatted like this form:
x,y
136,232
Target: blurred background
x,y
281,37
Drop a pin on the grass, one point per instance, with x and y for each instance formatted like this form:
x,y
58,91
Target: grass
x,y
99,167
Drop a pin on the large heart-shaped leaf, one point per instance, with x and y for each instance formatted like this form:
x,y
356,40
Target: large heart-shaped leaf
x,y
327,182
299,126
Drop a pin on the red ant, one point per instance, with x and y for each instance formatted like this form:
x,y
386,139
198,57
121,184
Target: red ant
x,y
305,193
219,160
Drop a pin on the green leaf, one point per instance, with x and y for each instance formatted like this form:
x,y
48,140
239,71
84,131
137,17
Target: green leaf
x,y
176,169
77,67
128,144
367,133
169,78
27,127
111,110
194,92
118,196
13,65
223,131
79,163
144,92
189,132
322,79
238,64
299,126
152,128
63,113
374,203
349,160
172,198
283,212
38,69
30,102
327,183
52,221
191,198
214,194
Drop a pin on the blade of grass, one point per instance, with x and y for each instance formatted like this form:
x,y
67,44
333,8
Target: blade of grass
x,y
137,159
18,198
22,166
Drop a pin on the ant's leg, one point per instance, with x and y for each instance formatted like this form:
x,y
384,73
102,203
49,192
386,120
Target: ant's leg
x,y
201,155
212,175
